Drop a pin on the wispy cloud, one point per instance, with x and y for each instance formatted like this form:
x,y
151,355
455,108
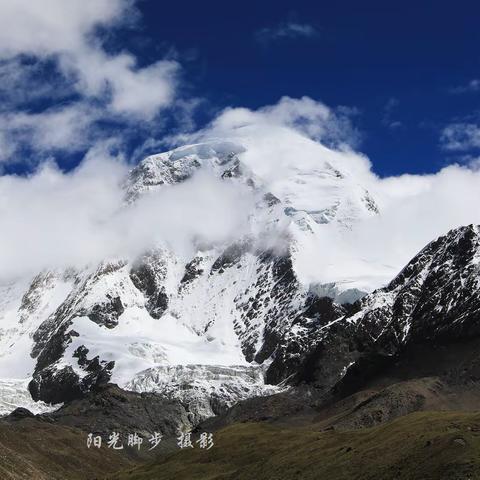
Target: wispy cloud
x,y
330,126
286,30
388,114
461,137
472,86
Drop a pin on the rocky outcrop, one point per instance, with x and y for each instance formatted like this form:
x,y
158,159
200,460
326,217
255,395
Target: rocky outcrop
x,y
148,276
435,299
111,409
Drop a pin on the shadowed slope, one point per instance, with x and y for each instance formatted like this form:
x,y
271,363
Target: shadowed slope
x,y
427,445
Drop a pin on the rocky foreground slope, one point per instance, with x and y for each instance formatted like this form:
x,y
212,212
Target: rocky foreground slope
x,y
428,446
416,419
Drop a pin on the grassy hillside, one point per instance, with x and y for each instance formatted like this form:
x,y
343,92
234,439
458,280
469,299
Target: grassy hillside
x,y
35,450
422,445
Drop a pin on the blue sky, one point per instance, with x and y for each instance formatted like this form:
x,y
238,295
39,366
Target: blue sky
x,y
393,61
404,74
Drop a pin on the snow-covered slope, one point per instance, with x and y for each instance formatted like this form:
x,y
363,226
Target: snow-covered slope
x,y
14,393
135,321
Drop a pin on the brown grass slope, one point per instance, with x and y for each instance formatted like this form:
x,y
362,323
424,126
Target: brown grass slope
x,y
36,450
422,445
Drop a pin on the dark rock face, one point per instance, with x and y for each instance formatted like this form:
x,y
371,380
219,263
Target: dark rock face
x,y
435,299
299,346
234,171
229,257
192,271
270,199
49,383
273,300
283,297
18,414
148,276
54,385
111,409
107,313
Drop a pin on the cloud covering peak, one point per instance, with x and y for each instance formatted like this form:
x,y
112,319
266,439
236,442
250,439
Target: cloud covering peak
x,y
51,218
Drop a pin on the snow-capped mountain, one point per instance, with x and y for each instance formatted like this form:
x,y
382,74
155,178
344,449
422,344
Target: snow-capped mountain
x,y
221,310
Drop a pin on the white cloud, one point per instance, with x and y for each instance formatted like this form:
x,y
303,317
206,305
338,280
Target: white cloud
x,y
461,136
48,27
67,30
286,30
309,117
55,219
284,141
414,210
134,91
63,36
64,127
52,218
417,209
